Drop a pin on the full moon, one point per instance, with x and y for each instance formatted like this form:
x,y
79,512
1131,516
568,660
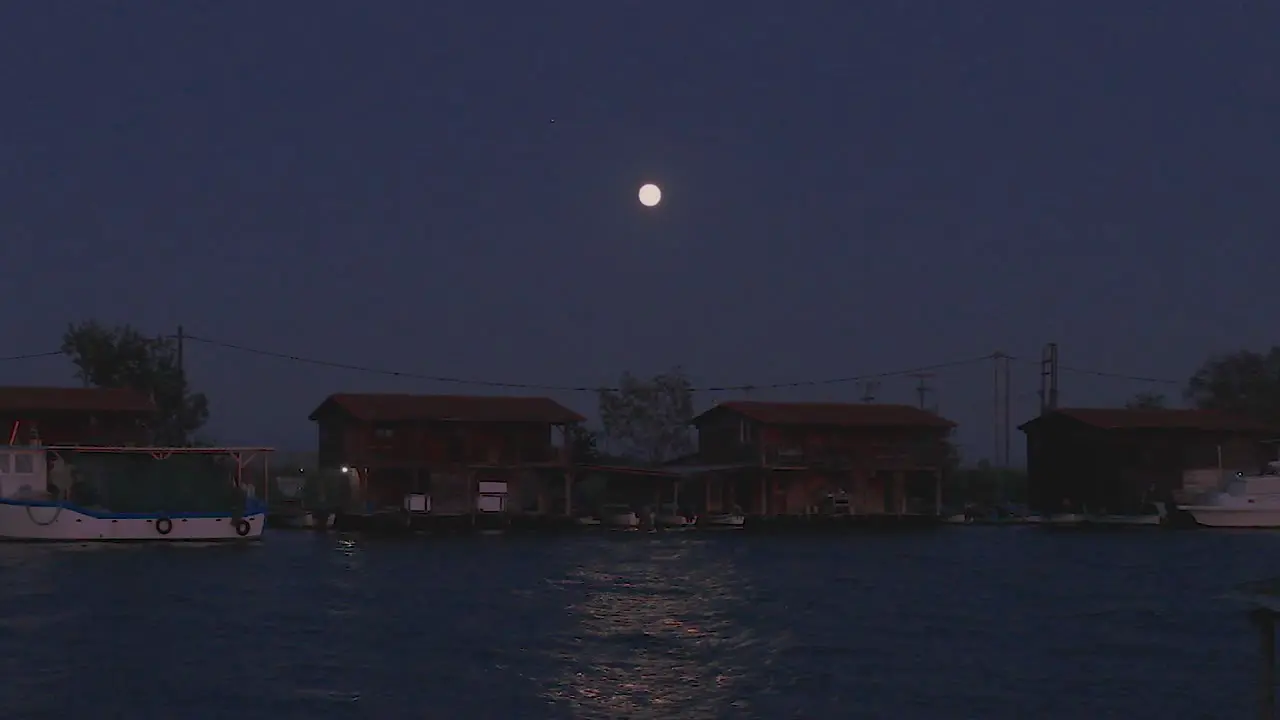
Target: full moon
x,y
650,195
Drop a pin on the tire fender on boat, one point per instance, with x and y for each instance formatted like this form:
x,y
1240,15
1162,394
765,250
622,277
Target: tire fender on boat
x,y
164,526
243,527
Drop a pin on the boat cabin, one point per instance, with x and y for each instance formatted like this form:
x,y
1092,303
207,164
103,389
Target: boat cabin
x,y
24,472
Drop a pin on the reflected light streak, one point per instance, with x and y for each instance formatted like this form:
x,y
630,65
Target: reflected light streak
x,y
656,635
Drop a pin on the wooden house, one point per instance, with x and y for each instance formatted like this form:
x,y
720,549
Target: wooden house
x,y
74,416
449,448
1116,459
800,458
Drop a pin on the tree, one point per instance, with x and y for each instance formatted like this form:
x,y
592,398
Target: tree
x,y
1146,401
1246,383
122,357
649,419
583,447
985,484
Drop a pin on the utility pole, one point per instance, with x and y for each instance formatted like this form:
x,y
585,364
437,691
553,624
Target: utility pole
x,y
1001,407
182,365
1008,411
922,388
1049,378
869,388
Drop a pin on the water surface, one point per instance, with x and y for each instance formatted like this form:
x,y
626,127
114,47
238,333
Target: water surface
x,y
953,623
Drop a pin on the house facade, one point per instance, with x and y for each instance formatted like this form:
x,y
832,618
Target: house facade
x,y
1117,459
450,448
74,416
813,458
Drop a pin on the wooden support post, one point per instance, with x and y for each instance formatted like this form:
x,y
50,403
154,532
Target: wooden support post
x,y
937,492
472,494
1265,622
568,493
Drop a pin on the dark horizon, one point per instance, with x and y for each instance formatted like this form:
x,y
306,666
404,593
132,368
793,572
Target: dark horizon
x,y
847,190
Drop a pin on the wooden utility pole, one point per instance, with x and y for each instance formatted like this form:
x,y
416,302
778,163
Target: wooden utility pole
x,y
1049,378
182,365
1001,408
922,388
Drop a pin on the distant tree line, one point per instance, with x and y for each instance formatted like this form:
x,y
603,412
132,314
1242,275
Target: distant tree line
x,y
643,420
1245,383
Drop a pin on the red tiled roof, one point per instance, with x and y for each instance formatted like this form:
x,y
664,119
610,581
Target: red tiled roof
x,y
68,399
1161,419
832,414
386,407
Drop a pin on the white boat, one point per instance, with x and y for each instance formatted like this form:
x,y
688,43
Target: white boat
x,y
723,520
619,516
1246,501
41,499
587,521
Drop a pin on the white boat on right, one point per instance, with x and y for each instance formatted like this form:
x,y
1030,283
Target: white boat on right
x,y
1244,501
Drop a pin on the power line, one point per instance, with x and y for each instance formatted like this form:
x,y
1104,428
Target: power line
x,y
1120,376
31,356
745,387
1105,374
383,371
569,388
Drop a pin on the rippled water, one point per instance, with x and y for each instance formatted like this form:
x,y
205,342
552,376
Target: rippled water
x,y
957,623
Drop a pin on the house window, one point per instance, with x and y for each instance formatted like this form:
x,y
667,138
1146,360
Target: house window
x,y
24,464
384,433
4,463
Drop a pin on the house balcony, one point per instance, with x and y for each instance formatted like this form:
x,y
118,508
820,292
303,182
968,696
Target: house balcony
x,y
818,458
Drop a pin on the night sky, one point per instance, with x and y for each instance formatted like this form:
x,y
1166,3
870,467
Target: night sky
x,y
849,188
